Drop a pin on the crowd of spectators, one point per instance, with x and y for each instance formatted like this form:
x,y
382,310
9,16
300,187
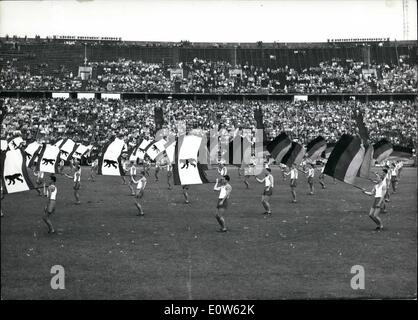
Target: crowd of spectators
x,y
201,76
88,121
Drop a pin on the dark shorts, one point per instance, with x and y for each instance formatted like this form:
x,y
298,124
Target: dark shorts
x,y
268,192
139,194
224,205
50,208
394,179
77,186
310,180
293,183
377,202
185,187
169,174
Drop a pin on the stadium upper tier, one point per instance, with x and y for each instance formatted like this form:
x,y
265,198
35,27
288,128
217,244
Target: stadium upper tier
x,y
200,68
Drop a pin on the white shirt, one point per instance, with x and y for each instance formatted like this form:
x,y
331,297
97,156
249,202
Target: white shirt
x,y
379,188
311,172
224,191
294,174
77,176
132,171
141,183
268,181
53,194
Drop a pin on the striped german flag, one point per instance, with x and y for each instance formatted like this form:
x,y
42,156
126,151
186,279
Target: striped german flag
x,y
315,148
294,155
345,159
382,150
400,152
279,146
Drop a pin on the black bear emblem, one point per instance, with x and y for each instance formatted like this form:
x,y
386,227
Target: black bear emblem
x,y
48,161
109,163
65,153
28,155
187,162
77,154
155,148
12,178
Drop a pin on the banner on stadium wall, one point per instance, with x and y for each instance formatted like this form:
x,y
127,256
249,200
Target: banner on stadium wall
x,y
111,96
176,73
85,95
235,72
85,72
300,98
60,95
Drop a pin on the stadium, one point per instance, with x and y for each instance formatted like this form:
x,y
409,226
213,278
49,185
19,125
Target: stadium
x,y
91,92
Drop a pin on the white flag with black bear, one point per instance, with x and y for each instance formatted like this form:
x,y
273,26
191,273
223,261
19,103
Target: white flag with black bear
x,y
139,151
155,149
14,175
15,143
80,150
31,152
110,158
67,149
48,159
186,168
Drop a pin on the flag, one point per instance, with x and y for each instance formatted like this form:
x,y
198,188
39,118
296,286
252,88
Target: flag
x,y
155,149
235,153
294,155
326,153
367,163
400,152
382,150
48,159
110,159
15,143
67,148
140,152
3,145
158,118
170,151
315,148
279,146
59,143
31,153
14,174
186,169
80,150
363,132
345,159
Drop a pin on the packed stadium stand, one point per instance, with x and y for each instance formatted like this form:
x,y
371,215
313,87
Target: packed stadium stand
x,y
206,85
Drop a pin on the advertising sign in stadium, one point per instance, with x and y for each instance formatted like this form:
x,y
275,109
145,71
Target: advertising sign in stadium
x,y
300,98
111,96
60,95
176,73
85,95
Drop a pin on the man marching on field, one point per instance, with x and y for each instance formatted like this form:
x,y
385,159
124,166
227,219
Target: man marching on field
x,y
268,190
50,206
310,175
141,183
225,190
293,181
132,174
77,182
378,191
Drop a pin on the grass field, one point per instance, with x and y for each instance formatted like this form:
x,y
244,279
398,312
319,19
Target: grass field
x,y
304,250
